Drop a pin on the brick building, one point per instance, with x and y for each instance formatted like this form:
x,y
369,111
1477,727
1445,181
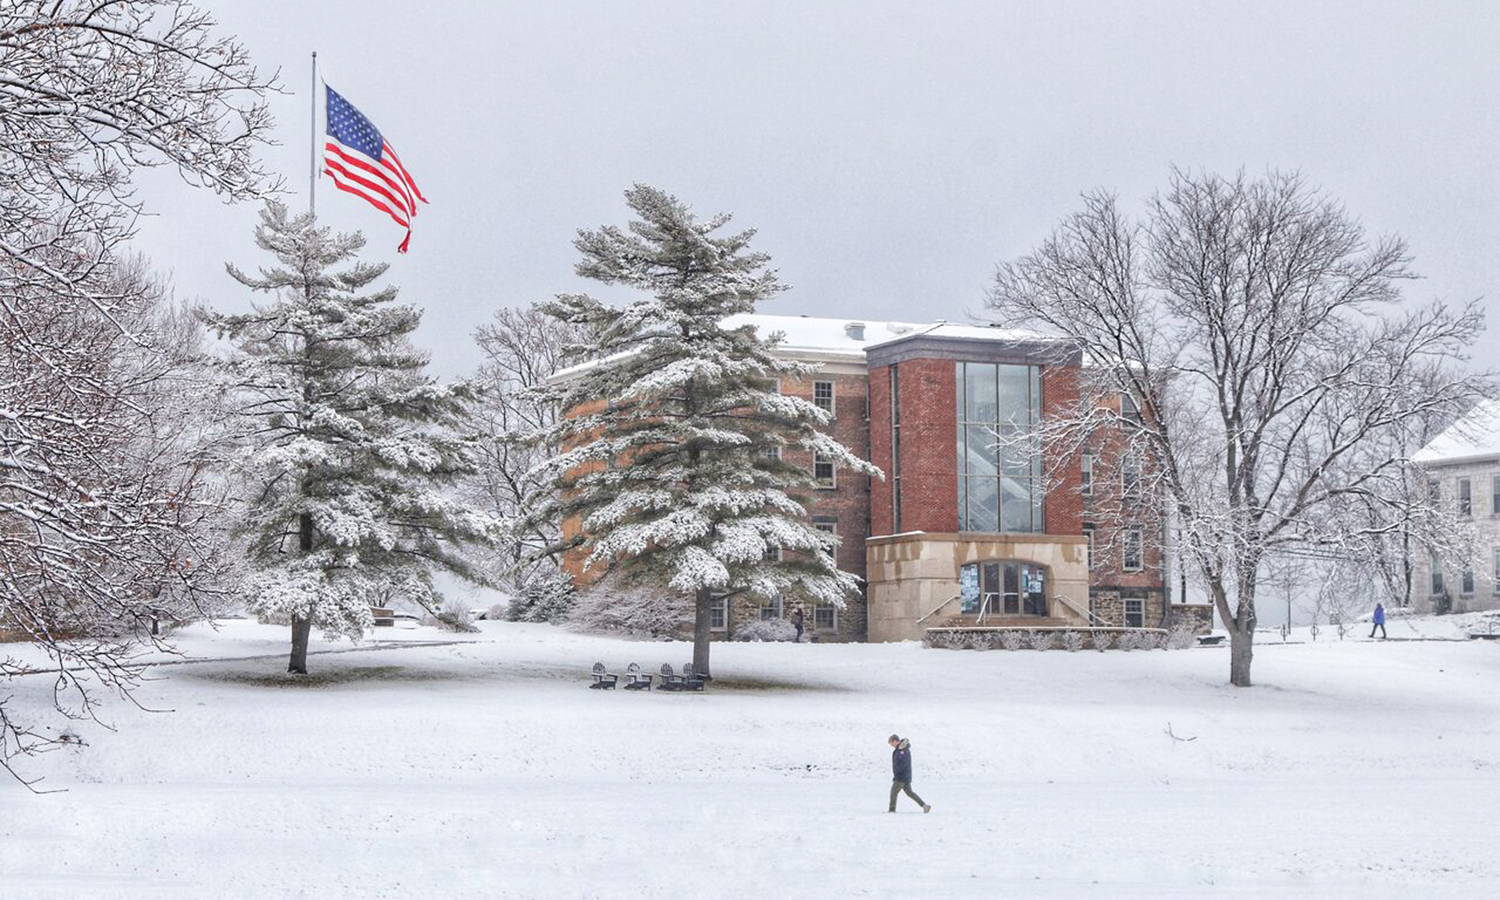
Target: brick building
x,y
964,529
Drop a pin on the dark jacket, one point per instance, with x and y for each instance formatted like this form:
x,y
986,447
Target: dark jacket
x,y
901,761
1379,614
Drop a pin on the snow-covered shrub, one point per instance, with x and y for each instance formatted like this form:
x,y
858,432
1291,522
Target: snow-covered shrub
x,y
1129,640
1101,639
1011,640
451,616
545,597
1039,640
640,610
766,630
983,640
1072,641
496,613
1183,634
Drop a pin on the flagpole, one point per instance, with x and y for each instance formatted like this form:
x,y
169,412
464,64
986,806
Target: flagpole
x,y
312,150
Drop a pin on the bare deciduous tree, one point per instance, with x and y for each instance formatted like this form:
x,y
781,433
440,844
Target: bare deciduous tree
x,y
522,349
99,494
1261,331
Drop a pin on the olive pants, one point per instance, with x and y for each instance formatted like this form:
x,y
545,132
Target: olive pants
x,y
897,787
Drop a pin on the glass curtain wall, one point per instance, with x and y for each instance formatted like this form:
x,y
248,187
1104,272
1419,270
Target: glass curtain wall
x,y
999,462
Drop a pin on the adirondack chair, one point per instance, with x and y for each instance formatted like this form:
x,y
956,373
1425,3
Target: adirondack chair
x,y
691,681
603,680
670,681
638,681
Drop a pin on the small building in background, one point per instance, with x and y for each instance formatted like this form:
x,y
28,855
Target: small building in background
x,y
1460,469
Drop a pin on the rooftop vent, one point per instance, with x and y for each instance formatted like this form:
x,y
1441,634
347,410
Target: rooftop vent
x,y
855,330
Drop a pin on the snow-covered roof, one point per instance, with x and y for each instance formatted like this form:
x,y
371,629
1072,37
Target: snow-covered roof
x,y
815,337
1475,436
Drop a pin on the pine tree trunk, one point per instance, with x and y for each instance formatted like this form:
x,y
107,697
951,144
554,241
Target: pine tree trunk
x,y
1241,641
301,628
301,625
701,632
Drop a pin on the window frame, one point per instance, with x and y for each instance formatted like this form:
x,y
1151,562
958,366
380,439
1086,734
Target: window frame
x,y
1134,538
1435,575
832,406
831,483
1086,475
1465,497
719,609
768,604
1140,612
833,613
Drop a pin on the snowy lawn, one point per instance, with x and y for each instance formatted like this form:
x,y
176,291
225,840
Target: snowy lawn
x,y
480,766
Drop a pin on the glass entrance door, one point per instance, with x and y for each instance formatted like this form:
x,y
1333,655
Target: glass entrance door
x,y
1004,588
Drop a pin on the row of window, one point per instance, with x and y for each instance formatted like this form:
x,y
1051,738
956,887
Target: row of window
x,y
1130,475
1466,494
1132,547
1465,577
825,617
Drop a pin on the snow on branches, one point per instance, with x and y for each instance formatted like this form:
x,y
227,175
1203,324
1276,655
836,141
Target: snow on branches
x,y
1246,340
352,451
669,454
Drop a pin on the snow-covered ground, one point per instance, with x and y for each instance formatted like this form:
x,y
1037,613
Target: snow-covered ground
x,y
429,765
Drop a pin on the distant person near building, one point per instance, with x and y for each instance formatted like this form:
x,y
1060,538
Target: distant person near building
x,y
901,770
797,622
1379,620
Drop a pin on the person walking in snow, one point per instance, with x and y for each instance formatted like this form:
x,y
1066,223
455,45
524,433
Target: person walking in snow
x,y
797,621
901,770
1379,621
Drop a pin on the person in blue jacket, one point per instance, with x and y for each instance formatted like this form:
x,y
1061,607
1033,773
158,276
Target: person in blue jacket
x,y
1379,620
901,772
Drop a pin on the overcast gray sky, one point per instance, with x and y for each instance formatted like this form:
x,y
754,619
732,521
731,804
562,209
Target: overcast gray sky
x,y
889,154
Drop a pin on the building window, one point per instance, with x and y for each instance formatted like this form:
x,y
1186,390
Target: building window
x,y
1437,575
1434,490
1130,408
1130,476
1465,498
1086,475
718,615
1132,550
826,524
999,462
823,472
771,608
773,554
1088,532
1495,495
1495,575
895,451
826,617
1466,581
823,396
1135,612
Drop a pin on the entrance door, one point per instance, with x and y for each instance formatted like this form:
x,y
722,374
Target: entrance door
x,y
991,587
1012,589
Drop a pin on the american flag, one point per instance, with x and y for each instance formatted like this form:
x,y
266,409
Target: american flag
x,y
360,161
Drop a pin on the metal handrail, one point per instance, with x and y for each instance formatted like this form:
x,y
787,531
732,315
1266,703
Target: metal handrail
x,y
1088,615
934,610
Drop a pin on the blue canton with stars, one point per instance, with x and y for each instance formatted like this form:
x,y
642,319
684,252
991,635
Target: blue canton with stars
x,y
349,127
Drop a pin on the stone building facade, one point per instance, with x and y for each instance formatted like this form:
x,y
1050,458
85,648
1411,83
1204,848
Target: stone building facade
x,y
1460,471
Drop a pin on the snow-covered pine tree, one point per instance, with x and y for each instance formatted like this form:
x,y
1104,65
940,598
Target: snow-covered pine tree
x,y
354,449
677,476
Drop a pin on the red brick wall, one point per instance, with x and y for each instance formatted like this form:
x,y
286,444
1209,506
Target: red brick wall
x,y
849,502
929,452
1063,513
880,449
